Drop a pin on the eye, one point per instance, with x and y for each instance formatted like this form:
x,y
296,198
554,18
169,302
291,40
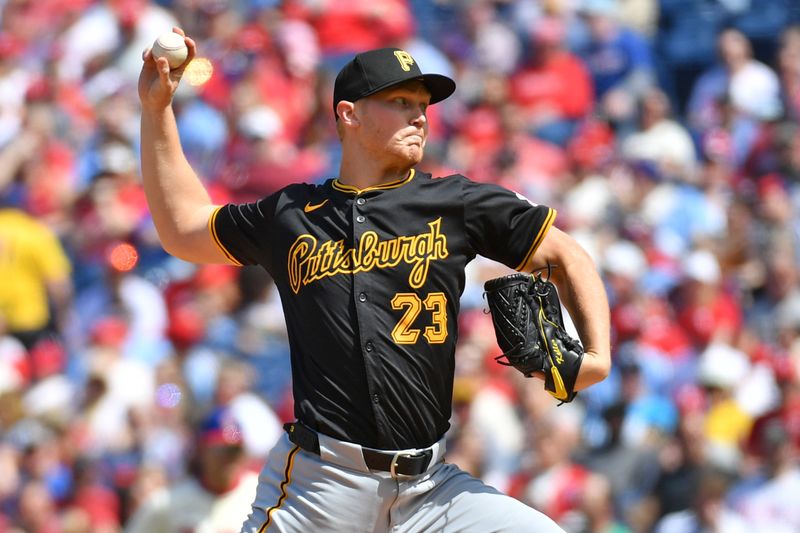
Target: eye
x,y
401,100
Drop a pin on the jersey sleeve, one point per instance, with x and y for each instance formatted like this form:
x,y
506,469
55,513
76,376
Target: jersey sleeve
x,y
504,225
243,231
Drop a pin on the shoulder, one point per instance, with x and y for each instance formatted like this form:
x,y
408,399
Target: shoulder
x,y
470,186
758,69
298,194
477,193
427,179
461,186
470,189
22,222
304,189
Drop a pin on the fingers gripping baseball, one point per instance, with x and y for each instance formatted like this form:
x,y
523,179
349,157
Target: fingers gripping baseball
x,y
157,81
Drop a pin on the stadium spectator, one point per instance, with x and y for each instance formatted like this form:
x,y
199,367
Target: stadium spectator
x,y
217,494
552,89
661,140
691,210
708,512
619,60
34,271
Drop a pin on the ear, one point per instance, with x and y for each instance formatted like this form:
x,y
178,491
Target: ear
x,y
347,113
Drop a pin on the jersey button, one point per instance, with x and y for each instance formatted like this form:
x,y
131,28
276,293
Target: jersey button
x,y
360,201
360,218
369,346
362,297
376,398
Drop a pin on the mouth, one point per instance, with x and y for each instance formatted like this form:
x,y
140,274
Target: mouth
x,y
415,139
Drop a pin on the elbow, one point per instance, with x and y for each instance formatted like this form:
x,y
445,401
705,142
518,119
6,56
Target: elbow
x,y
171,244
593,377
601,366
179,252
603,369
188,237
594,369
171,250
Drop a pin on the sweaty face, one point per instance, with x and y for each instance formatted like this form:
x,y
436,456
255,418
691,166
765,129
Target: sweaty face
x,y
394,125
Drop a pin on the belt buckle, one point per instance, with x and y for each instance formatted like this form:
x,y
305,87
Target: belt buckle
x,y
394,463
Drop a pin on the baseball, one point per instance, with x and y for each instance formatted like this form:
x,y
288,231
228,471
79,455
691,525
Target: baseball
x,y
171,46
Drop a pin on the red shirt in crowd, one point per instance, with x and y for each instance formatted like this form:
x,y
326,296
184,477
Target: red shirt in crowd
x,y
557,83
356,25
703,321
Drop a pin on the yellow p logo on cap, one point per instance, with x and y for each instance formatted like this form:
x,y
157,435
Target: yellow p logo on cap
x,y
405,59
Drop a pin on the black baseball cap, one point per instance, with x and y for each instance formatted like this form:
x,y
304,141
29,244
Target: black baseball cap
x,y
375,70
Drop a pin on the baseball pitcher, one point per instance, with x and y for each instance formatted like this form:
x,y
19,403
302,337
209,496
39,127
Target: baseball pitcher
x,y
370,268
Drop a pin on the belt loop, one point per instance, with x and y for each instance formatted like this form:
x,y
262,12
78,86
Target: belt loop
x,y
302,436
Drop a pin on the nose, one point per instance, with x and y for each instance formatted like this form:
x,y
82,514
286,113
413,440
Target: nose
x,y
419,118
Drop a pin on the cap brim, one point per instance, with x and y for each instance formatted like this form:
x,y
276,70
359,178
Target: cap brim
x,y
440,86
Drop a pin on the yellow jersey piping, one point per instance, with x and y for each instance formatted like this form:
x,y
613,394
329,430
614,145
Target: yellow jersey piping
x,y
548,221
213,230
339,186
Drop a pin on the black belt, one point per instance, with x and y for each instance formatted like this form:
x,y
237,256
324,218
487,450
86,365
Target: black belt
x,y
397,463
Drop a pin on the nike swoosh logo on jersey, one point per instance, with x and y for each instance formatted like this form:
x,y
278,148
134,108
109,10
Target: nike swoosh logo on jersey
x,y
308,208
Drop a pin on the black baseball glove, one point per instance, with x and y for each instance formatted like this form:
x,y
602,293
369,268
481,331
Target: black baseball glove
x,y
526,313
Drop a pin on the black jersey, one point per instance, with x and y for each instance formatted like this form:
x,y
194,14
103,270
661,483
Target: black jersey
x,y
370,282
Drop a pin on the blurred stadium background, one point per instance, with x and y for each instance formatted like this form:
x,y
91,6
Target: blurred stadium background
x,y
665,132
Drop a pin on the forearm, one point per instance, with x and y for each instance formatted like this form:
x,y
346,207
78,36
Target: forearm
x,y
584,296
177,199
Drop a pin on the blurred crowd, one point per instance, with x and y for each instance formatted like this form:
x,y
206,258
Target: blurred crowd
x,y
138,390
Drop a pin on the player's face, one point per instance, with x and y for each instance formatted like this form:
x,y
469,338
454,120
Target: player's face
x,y
395,124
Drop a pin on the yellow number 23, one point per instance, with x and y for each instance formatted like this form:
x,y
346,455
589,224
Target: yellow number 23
x,y
436,302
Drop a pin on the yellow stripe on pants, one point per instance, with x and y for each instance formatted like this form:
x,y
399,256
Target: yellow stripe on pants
x,y
287,478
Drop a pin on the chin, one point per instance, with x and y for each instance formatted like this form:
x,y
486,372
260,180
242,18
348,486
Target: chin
x,y
404,155
415,154
407,158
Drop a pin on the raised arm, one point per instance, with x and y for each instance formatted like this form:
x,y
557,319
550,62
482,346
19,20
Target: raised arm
x,y
584,296
178,201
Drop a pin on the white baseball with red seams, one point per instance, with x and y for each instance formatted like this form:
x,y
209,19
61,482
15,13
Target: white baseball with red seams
x,y
171,46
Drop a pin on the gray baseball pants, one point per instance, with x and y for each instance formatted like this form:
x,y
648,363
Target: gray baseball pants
x,y
301,491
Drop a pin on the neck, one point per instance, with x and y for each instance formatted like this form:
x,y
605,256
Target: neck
x,y
363,173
